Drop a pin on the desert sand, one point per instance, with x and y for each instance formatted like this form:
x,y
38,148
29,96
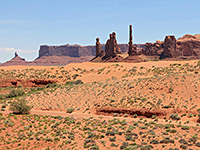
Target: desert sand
x,y
147,105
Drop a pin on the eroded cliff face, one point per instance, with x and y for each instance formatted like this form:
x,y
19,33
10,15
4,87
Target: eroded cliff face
x,y
187,47
67,50
77,50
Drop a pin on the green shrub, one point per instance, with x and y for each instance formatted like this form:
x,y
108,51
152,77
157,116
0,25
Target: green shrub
x,y
70,110
154,142
51,85
115,114
20,107
185,128
114,145
183,146
3,106
15,93
2,96
174,117
2,109
167,140
167,106
74,82
68,141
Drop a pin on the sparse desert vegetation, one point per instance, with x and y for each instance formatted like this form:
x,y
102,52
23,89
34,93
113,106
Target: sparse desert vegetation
x,y
151,105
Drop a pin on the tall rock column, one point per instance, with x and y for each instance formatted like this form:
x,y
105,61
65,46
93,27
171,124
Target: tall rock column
x,y
16,54
132,48
169,47
111,47
98,47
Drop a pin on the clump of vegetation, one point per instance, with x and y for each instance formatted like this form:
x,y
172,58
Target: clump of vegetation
x,y
20,107
198,115
174,117
51,85
74,82
15,93
70,110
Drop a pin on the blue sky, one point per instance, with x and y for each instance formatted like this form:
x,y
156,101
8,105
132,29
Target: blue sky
x,y
27,24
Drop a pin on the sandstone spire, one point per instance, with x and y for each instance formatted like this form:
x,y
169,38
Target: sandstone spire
x,y
111,47
98,47
16,54
170,47
132,48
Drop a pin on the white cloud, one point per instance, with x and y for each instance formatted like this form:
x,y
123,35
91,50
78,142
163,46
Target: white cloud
x,y
11,50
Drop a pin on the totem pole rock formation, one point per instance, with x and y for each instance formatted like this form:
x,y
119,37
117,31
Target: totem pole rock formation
x,y
169,47
99,51
111,47
132,48
16,54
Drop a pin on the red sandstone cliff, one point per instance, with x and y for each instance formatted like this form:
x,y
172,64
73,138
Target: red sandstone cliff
x,y
187,47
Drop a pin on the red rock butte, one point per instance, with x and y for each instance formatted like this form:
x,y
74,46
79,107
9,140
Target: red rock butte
x,y
186,47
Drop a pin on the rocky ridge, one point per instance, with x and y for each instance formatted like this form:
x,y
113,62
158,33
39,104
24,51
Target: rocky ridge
x,y
186,47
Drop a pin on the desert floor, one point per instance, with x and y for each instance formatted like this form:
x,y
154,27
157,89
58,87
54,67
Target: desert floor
x,y
149,105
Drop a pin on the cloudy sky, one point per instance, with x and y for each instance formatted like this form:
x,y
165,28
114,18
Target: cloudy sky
x,y
27,24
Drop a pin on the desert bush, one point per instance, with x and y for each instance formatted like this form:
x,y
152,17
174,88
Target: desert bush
x,y
2,96
135,116
185,128
124,145
115,114
112,139
128,137
20,107
154,142
114,145
51,85
197,144
4,106
183,146
167,140
70,110
15,93
74,82
167,106
174,117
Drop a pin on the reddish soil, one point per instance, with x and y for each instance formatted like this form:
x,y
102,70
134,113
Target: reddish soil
x,y
28,83
140,112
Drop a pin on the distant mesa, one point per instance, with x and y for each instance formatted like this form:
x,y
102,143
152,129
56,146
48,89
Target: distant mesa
x,y
186,47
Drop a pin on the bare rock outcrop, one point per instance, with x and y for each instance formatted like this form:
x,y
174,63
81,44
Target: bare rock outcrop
x,y
17,60
188,45
153,49
67,50
59,60
132,52
113,53
111,47
132,49
99,51
169,47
